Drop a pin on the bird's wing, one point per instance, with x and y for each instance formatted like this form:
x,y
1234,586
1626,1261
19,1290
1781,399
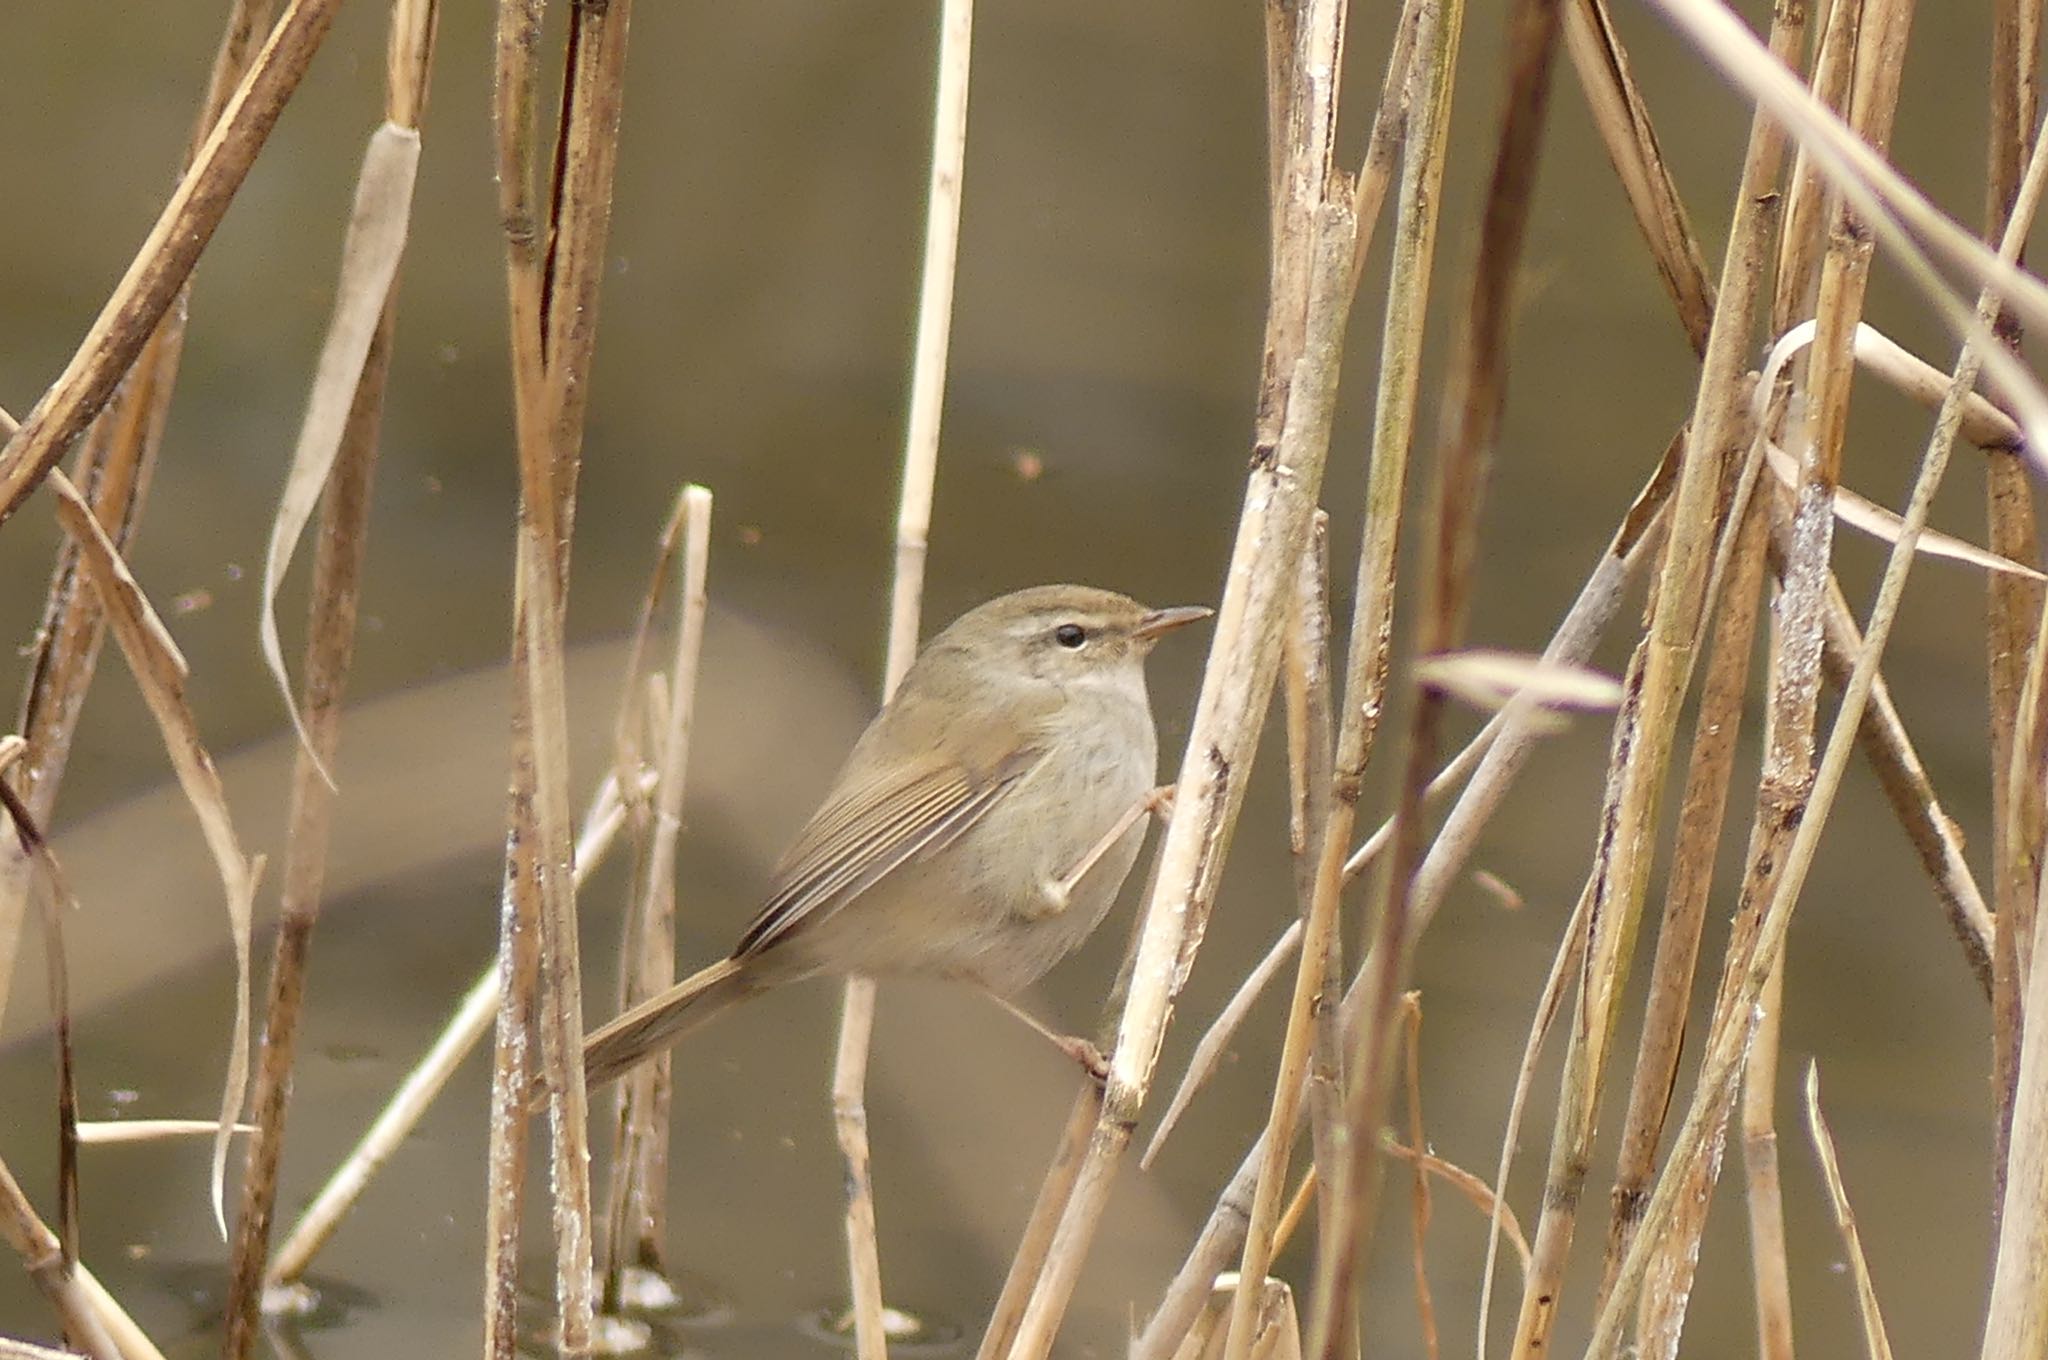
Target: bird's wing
x,y
870,828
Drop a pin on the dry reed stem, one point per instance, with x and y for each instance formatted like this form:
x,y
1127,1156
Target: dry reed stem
x,y
1787,778
1475,395
552,292
1770,1271
1310,708
636,1217
1689,883
330,643
1237,683
2016,1322
409,1103
1499,750
1805,235
114,467
1431,80
1411,1066
338,449
2013,607
157,275
1643,758
1875,1343
906,594
1897,213
1623,122
1306,667
1718,416
1726,1047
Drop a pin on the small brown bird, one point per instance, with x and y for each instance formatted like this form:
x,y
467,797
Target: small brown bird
x,y
979,830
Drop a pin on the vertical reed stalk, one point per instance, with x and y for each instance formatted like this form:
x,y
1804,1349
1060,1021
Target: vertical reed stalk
x,y
637,1209
1319,233
554,264
1770,1270
2014,604
330,647
1431,80
913,529
1475,395
1727,1045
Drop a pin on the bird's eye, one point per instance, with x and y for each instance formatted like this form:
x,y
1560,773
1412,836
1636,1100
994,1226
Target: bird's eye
x,y
1070,635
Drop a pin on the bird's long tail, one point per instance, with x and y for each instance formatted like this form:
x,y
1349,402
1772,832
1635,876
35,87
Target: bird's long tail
x,y
654,1024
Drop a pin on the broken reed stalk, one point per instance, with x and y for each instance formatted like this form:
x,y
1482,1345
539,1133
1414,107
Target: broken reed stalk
x,y
116,460
1312,1013
1726,1046
1475,395
1719,422
156,277
554,264
906,595
343,419
2013,606
636,1217
1319,231
410,1102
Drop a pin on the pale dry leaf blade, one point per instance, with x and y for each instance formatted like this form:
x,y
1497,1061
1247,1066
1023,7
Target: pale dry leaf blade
x,y
370,253
1867,516
1490,680
160,672
114,1132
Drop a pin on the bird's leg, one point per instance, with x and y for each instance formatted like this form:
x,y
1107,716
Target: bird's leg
x,y
1074,1046
1158,801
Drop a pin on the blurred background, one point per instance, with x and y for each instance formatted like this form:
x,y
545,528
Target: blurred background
x,y
755,337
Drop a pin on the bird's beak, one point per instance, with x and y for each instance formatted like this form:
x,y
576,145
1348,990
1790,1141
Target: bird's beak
x,y
1158,622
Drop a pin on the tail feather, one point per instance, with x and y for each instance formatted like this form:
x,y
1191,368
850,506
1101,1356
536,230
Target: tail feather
x,y
634,1037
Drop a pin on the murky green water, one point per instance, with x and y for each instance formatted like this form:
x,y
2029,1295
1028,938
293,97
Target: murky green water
x,y
756,328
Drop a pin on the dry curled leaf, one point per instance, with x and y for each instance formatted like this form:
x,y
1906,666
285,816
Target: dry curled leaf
x,y
369,261
160,673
